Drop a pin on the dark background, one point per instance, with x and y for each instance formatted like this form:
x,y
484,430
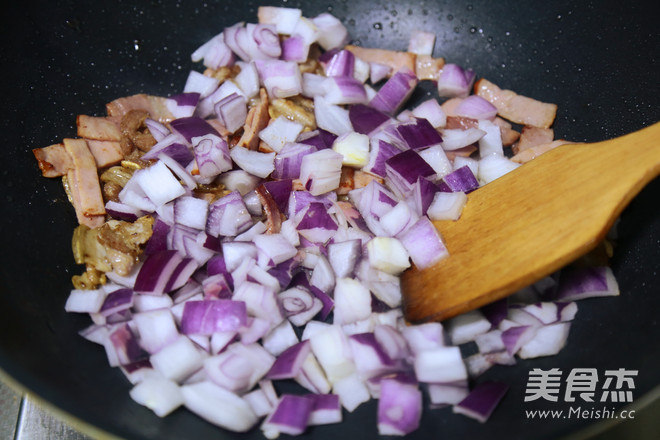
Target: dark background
x,y
598,60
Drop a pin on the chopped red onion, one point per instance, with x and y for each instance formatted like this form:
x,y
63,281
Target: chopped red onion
x,y
495,166
289,417
210,316
279,132
476,107
239,367
399,407
332,33
482,400
218,406
586,282
395,92
231,111
85,301
289,363
404,169
320,171
460,180
295,48
466,327
228,216
454,81
281,79
421,42
200,83
378,72
330,117
284,19
344,90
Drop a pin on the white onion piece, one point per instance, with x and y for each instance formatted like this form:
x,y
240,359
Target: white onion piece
x,y
548,341
218,406
254,162
388,254
156,328
85,301
279,132
160,395
443,364
178,360
493,167
352,301
352,391
332,33
200,83
447,206
285,19
466,327
354,147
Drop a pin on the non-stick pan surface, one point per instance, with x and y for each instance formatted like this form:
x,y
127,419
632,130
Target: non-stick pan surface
x,y
597,60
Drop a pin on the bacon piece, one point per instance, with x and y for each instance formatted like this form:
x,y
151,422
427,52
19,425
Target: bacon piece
x,y
274,216
533,136
53,160
257,119
106,153
98,128
463,152
517,108
536,151
156,106
427,67
346,182
509,135
84,184
395,59
461,122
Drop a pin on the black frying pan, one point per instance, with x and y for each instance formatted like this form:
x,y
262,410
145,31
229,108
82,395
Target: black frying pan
x,y
597,60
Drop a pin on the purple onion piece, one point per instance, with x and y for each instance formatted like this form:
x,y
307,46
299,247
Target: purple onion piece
x,y
482,400
209,316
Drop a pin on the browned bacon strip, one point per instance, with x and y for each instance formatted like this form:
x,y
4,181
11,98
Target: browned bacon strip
x,y
53,160
84,184
98,128
517,108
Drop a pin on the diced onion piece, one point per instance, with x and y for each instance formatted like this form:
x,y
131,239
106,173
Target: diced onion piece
x,y
218,406
388,254
354,147
352,301
159,184
432,112
320,171
447,206
332,33
399,407
587,282
279,132
330,117
178,360
467,326
454,81
424,244
395,92
162,396
85,301
494,166
254,162
442,364
548,341
285,19
482,400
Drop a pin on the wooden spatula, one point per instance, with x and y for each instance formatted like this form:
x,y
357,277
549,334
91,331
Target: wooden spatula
x,y
531,222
